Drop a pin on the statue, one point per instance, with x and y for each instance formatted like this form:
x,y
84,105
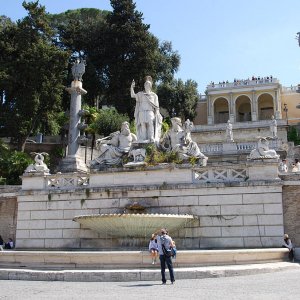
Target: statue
x,y
78,69
148,120
112,152
39,166
263,150
229,133
178,139
273,127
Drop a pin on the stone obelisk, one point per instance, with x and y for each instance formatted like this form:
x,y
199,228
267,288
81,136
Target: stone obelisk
x,y
73,162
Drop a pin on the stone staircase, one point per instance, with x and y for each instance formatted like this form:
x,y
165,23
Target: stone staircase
x,y
136,265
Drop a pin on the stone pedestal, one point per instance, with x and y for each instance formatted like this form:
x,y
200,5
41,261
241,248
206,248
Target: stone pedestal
x,y
229,148
71,164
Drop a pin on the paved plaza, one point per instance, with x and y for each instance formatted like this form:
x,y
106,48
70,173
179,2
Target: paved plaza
x,y
279,285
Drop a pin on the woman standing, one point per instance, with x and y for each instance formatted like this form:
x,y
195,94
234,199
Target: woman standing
x,y
153,249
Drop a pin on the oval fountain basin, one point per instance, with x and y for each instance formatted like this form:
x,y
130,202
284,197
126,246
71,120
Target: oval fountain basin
x,y
133,225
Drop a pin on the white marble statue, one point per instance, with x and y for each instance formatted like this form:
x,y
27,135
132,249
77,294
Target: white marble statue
x,y
273,127
148,119
263,150
112,151
39,166
178,139
229,133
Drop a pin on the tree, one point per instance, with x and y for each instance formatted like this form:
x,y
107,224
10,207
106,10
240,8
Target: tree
x,y
32,72
108,121
179,98
12,164
293,136
133,53
81,31
117,47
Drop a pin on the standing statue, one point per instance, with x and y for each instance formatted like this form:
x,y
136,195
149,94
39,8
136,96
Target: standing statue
x,y
112,152
273,127
178,139
78,69
148,120
229,133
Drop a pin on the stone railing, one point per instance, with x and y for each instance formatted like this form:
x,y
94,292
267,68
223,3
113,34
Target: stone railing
x,y
220,175
64,181
211,148
241,83
246,146
235,148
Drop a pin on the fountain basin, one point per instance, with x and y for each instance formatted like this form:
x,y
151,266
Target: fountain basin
x,y
132,225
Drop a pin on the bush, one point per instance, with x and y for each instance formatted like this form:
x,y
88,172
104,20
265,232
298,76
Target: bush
x,y
13,165
109,121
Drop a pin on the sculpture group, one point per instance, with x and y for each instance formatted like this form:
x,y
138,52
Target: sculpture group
x,y
148,121
125,148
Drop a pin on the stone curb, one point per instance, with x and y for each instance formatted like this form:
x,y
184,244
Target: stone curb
x,y
142,274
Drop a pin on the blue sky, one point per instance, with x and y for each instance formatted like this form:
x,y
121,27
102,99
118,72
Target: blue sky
x,y
216,39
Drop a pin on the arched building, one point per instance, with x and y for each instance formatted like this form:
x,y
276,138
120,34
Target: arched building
x,y
249,105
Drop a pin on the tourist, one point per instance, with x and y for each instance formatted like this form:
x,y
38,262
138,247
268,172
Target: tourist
x,y
283,168
297,164
294,168
174,250
153,249
164,240
1,243
287,243
9,244
148,119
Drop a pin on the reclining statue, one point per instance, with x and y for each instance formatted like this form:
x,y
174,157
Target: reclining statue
x,y
263,150
113,151
178,139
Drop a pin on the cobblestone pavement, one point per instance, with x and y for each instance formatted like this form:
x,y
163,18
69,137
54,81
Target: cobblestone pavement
x,y
273,286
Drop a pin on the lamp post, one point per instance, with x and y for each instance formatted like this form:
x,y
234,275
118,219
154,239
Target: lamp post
x,y
285,109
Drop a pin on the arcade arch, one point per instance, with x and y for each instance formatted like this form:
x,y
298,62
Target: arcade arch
x,y
221,110
242,109
265,105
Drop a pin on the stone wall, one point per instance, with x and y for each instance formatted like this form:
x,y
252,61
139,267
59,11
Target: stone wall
x,y
8,211
231,214
291,207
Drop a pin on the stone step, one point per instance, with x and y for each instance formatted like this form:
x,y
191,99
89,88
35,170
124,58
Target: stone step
x,y
107,260
143,274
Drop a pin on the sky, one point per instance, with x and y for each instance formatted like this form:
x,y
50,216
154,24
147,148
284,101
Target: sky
x,y
216,39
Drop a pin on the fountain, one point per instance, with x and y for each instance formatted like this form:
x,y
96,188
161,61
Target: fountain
x,y
134,224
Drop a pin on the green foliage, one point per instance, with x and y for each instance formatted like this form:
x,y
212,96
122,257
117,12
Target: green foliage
x,y
165,126
32,70
179,98
117,47
108,121
13,165
293,135
154,156
81,32
55,155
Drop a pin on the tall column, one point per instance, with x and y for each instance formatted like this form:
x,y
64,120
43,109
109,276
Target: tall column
x,y
209,111
73,162
231,108
254,107
277,106
76,91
